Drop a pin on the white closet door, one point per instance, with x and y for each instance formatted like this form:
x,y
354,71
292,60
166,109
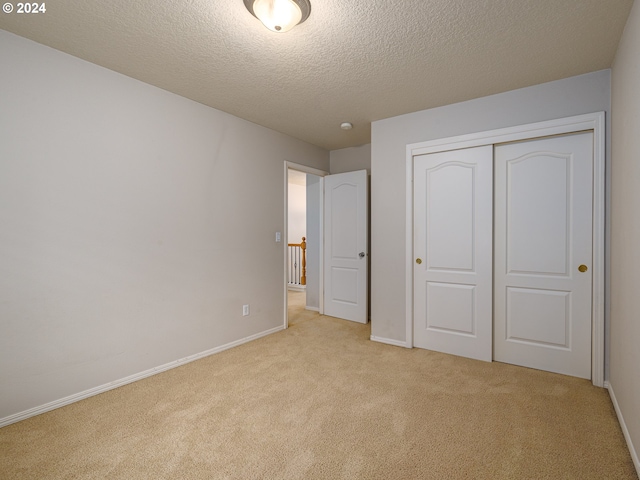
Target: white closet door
x,y
453,250
543,243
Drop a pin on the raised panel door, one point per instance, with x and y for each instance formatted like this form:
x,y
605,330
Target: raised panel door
x,y
543,234
452,249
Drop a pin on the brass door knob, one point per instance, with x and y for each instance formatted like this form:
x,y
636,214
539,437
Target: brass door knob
x,y
582,268
418,261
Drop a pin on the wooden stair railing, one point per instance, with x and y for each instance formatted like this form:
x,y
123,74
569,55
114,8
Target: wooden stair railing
x,y
303,261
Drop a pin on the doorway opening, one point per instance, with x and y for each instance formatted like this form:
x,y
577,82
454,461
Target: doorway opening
x,y
336,240
303,243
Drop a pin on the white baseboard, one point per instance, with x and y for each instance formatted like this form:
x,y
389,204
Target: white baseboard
x,y
313,309
625,430
296,288
76,397
388,341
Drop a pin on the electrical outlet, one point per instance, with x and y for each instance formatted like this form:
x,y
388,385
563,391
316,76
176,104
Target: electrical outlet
x,y
245,310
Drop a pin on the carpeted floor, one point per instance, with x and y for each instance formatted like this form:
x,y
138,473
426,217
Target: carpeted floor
x,y
321,401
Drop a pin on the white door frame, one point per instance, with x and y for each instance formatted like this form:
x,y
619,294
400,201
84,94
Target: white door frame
x,y
592,121
321,174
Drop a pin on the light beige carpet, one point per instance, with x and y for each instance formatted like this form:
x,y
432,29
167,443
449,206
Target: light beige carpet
x,y
321,401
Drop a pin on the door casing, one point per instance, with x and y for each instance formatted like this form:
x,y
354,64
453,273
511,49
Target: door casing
x,y
589,122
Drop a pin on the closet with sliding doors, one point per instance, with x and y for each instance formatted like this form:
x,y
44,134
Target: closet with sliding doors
x,y
507,230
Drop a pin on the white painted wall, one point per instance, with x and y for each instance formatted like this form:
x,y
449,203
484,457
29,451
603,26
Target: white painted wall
x,y
572,96
134,224
313,241
625,231
297,206
351,159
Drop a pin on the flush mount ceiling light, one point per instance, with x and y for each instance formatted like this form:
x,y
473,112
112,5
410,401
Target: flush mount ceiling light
x,y
279,15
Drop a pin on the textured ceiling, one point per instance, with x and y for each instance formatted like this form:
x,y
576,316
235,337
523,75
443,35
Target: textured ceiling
x,y
354,60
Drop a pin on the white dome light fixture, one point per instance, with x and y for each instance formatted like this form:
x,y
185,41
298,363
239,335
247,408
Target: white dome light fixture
x,y
279,15
346,125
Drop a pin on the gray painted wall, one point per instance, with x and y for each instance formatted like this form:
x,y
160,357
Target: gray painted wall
x,y
351,159
625,230
572,96
135,225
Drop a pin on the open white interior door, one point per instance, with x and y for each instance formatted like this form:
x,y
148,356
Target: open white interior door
x,y
453,250
345,246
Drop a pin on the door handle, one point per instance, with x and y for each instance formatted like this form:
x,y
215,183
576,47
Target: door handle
x,y
582,268
418,261
361,254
